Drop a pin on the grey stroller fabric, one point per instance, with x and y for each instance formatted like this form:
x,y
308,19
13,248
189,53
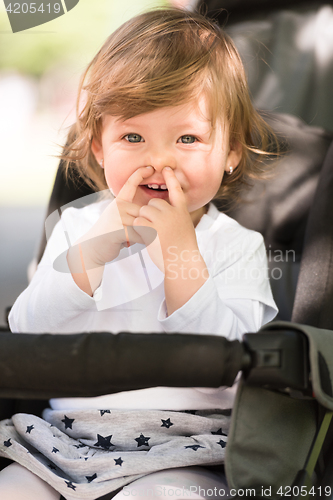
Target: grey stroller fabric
x,y
85,454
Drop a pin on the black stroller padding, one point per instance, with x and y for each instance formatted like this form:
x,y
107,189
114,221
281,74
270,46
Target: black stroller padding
x,y
314,297
87,365
278,207
286,48
242,9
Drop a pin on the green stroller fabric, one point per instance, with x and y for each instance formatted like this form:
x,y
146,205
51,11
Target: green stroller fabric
x,y
271,433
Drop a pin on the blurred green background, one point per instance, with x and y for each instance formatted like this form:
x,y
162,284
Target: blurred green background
x,y
39,74
68,39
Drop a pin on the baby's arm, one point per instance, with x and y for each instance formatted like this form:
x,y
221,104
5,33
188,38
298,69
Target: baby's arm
x,y
236,298
103,242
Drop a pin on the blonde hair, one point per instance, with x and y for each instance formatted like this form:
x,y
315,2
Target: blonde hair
x,y
168,57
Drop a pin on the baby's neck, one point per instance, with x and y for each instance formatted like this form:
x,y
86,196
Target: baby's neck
x,y
197,214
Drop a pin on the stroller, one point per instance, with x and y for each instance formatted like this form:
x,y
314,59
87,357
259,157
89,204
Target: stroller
x,y
282,415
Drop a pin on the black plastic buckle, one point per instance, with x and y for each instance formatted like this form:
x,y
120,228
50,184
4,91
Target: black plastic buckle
x,y
278,360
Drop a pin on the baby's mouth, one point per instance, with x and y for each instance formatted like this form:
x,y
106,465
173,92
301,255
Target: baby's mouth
x,y
156,187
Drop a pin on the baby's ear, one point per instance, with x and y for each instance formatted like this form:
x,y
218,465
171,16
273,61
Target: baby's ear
x,y
96,148
235,154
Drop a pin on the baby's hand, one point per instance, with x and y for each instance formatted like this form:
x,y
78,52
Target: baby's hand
x,y
184,275
102,243
113,230
172,222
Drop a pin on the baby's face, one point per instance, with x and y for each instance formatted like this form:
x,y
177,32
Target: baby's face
x,y
178,137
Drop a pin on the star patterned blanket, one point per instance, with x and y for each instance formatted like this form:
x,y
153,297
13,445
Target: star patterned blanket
x,y
86,454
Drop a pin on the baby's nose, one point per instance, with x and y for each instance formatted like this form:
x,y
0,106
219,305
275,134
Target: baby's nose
x,y
160,159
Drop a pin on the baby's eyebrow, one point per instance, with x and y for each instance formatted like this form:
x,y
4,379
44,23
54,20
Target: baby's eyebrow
x,y
128,123
194,129
186,127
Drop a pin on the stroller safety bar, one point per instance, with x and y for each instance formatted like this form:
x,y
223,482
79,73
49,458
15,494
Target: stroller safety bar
x,y
41,366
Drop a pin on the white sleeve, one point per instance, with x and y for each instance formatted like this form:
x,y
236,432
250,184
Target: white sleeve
x,y
52,302
206,313
234,300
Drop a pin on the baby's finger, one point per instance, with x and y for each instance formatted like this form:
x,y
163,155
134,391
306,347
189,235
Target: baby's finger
x,y
145,229
131,237
126,208
176,194
128,190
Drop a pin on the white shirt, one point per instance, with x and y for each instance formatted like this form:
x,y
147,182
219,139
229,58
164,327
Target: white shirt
x,y
234,300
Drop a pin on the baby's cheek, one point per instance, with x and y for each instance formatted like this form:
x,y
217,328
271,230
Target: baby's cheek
x,y
208,188
114,183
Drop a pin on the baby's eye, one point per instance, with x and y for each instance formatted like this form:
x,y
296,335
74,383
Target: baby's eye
x,y
133,138
187,139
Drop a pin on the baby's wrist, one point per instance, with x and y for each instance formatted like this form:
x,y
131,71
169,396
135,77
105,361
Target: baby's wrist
x,y
179,260
98,251
79,260
182,254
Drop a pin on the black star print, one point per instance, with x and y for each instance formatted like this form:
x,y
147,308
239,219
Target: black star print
x,y
52,467
219,432
7,443
166,423
91,478
104,442
68,422
195,447
223,444
142,440
70,485
118,461
102,412
55,450
29,429
81,445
